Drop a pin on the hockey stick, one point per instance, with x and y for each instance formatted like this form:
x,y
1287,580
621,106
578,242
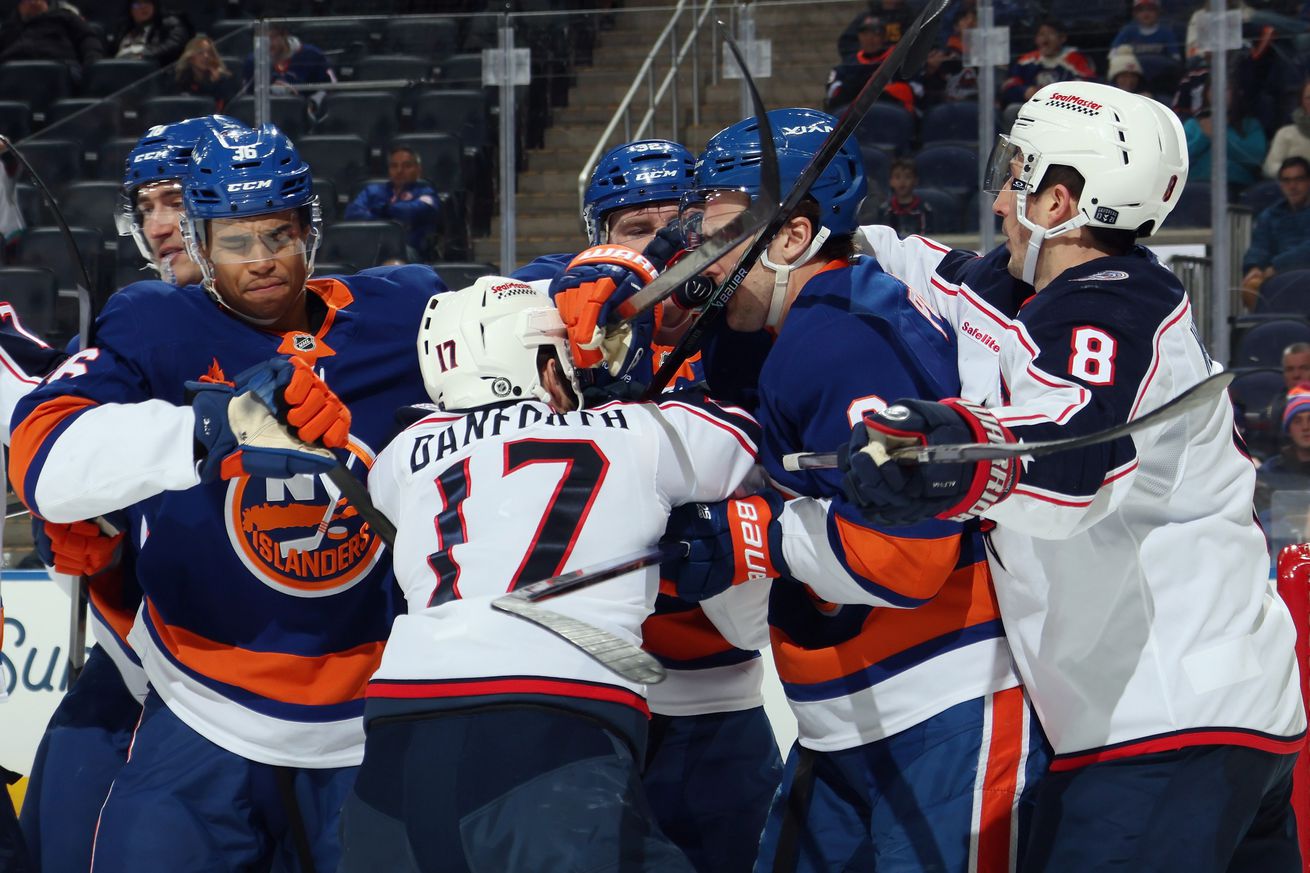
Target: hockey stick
x,y
1193,398
910,53
737,231
86,325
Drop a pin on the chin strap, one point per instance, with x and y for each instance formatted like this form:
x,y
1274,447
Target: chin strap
x,y
1039,234
782,275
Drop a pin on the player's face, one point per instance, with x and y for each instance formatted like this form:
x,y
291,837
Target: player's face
x,y
159,208
749,307
1298,430
635,226
259,267
402,168
1296,369
1016,235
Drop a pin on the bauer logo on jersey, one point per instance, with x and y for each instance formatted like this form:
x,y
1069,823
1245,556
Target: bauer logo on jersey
x,y
299,535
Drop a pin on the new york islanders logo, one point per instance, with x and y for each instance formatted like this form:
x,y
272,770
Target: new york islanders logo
x,y
299,535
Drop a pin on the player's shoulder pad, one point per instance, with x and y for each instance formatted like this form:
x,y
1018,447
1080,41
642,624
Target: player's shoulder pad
x,y
406,416
696,401
419,277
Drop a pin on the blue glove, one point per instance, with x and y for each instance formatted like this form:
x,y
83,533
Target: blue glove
x,y
236,433
892,493
728,543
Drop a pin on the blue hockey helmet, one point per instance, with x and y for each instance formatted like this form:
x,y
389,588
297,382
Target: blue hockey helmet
x,y
162,154
731,161
242,174
646,171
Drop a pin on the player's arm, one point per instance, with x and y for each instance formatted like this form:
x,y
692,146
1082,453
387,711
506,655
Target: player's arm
x,y
24,360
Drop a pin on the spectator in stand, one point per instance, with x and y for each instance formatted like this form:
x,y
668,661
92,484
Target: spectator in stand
x,y
39,30
11,217
296,65
945,77
1246,143
1296,365
896,18
1289,470
1291,140
406,199
1280,239
1052,61
904,209
1125,72
151,32
201,71
1145,35
847,78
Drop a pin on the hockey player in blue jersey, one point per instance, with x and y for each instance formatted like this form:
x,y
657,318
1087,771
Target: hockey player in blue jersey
x,y
712,763
87,738
916,746
267,598
1131,575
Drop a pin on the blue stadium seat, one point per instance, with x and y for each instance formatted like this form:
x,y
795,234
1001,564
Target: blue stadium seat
x,y
463,113
334,268
326,190
947,209
170,109
40,83
15,119
952,168
1263,344
1285,293
886,126
462,70
54,160
32,292
461,274
366,243
111,159
288,112
111,75
86,120
341,157
47,247
877,167
1193,209
371,115
376,67
954,122
436,38
1258,396
92,204
442,157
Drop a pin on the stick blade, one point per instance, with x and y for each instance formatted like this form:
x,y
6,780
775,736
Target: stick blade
x,y
616,655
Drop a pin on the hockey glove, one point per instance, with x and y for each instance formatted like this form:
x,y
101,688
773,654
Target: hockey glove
x,y
728,543
77,549
594,283
893,493
237,435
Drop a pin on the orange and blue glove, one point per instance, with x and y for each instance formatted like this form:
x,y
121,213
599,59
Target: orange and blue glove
x,y
237,433
77,549
594,283
728,543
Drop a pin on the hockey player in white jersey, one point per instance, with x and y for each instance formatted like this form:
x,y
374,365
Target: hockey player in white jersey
x,y
491,743
1131,576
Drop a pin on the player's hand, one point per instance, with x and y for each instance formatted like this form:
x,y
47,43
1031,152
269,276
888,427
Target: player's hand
x,y
595,282
892,493
728,543
77,549
237,434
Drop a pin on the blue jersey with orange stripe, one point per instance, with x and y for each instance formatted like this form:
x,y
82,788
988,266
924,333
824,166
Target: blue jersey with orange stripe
x,y
267,601
876,629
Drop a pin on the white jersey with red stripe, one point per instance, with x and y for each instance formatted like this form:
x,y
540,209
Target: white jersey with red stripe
x,y
500,497
24,360
1131,575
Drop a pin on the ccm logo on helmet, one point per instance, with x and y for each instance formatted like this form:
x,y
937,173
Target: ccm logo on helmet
x,y
151,156
652,175
250,186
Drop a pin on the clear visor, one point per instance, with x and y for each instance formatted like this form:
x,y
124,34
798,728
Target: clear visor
x,y
702,212
1005,162
230,243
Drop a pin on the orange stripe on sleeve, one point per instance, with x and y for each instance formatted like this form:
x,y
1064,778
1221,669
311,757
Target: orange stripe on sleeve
x,y
306,680
965,600
1000,782
682,636
31,435
914,568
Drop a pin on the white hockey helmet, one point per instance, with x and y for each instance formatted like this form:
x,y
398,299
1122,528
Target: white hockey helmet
x,y
1129,149
479,345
